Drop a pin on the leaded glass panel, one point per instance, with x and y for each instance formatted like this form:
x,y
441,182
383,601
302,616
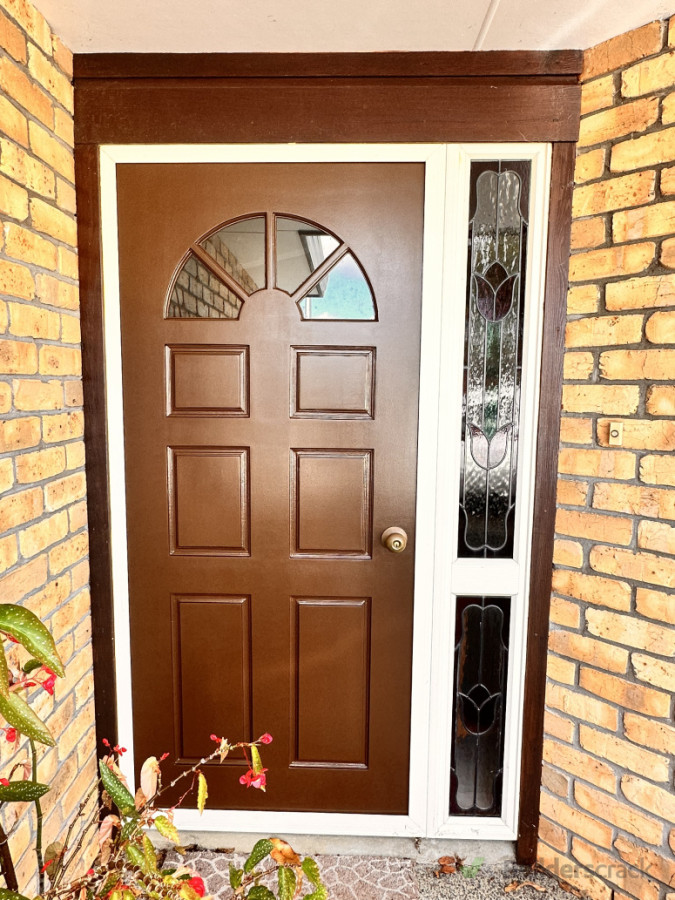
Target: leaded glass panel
x,y
493,348
481,665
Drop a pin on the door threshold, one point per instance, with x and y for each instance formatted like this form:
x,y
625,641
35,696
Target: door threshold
x,y
423,850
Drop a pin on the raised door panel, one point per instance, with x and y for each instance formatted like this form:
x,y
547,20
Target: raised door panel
x,y
205,629
331,660
331,503
207,381
333,382
209,501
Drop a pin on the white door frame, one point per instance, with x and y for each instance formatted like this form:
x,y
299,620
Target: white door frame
x,y
439,577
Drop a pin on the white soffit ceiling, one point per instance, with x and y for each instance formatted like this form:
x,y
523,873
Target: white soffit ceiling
x,y
278,26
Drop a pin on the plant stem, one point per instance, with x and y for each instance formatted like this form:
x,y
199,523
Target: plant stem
x,y
6,862
38,830
65,862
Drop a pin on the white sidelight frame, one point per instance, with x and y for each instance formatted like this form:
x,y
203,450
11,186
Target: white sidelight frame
x,y
439,576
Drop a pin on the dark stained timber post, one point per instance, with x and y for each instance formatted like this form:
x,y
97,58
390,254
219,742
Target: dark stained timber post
x,y
560,219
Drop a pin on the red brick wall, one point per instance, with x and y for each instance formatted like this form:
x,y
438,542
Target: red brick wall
x,y
43,521
607,803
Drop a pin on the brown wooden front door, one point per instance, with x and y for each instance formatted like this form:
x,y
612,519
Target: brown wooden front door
x,y
265,455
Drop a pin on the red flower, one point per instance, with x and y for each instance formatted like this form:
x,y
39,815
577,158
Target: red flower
x,y
197,884
254,779
265,738
10,734
4,781
48,683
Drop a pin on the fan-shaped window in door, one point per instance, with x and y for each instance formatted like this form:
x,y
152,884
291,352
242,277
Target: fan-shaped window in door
x,y
312,266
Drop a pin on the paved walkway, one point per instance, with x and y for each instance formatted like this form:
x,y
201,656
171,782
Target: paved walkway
x,y
388,878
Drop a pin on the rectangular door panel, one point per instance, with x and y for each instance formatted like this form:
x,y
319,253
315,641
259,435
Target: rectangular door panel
x,y
331,503
333,382
212,635
331,653
209,501
207,381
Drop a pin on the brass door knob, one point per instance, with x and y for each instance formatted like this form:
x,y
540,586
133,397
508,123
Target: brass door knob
x,y
394,539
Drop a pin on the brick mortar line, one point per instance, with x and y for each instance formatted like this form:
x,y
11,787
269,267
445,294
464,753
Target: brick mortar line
x,y
627,675
24,68
607,851
36,268
26,33
665,47
45,516
29,152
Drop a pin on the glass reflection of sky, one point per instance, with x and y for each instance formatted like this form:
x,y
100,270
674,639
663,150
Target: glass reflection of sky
x,y
343,294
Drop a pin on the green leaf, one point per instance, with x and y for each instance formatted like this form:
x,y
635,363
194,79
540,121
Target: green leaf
x,y
25,627
202,793
236,876
22,791
118,793
259,892
136,857
31,666
167,829
321,893
311,870
4,674
150,854
19,714
128,829
286,883
262,849
108,884
11,895
257,765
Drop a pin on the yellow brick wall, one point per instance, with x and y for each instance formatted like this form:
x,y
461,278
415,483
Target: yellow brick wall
x,y
43,521
607,803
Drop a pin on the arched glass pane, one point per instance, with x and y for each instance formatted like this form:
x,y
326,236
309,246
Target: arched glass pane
x,y
240,250
301,248
198,294
344,293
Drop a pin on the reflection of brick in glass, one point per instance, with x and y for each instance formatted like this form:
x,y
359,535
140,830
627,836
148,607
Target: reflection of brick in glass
x,y
198,294
218,249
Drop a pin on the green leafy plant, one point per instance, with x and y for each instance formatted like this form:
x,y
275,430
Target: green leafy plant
x,y
128,866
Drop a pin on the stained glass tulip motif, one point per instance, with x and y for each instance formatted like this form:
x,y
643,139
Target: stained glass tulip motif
x,y
478,708
494,292
488,452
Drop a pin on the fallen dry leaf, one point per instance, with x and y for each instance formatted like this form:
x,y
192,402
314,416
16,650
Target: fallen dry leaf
x,y
448,865
516,885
